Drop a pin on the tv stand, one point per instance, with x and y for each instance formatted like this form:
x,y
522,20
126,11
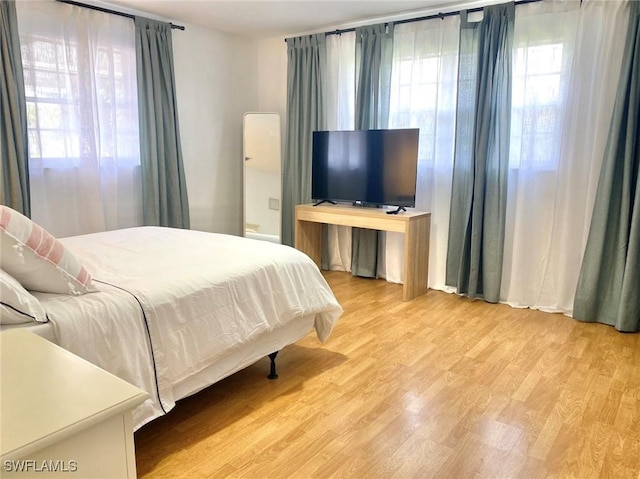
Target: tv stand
x,y
324,201
415,226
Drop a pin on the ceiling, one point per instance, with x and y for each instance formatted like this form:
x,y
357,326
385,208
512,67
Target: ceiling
x,y
267,19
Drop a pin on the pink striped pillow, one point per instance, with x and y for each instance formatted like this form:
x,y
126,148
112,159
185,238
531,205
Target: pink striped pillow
x,y
36,259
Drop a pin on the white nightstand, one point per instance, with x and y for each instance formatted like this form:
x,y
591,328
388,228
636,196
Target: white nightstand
x,y
61,416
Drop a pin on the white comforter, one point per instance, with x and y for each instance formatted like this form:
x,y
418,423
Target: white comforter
x,y
202,295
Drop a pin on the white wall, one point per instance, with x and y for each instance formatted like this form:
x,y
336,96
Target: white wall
x,y
219,77
272,89
216,83
272,80
272,77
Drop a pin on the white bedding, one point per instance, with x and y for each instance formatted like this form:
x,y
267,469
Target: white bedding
x,y
203,295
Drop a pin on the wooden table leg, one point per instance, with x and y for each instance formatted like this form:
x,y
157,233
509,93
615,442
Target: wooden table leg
x,y
308,239
416,258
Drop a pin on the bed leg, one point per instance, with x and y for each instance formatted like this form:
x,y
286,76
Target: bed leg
x,y
272,370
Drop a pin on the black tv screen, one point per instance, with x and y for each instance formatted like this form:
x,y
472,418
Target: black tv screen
x,y
372,167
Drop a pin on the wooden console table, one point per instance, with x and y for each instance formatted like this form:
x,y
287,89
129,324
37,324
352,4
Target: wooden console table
x,y
414,225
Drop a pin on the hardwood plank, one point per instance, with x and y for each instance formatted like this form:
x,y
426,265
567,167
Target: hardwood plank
x,y
441,386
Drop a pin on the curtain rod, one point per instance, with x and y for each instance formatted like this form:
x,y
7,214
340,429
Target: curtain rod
x,y
113,12
428,17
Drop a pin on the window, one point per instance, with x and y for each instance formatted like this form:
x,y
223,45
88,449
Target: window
x,y
538,103
82,118
424,86
415,99
66,99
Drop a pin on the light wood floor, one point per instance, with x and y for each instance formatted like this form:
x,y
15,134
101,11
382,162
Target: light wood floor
x,y
438,387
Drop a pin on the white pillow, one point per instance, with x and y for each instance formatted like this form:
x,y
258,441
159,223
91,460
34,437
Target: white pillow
x,y
16,304
36,259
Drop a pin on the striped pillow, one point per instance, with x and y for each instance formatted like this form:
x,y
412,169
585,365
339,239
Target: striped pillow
x,y
36,259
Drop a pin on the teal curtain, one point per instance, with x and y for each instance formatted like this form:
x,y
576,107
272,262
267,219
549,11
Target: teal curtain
x,y
164,190
608,288
306,113
13,116
374,58
479,189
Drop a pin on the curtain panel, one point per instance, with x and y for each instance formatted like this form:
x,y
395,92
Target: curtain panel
x,y
341,87
567,59
478,201
423,95
80,86
609,280
15,190
164,190
306,113
374,59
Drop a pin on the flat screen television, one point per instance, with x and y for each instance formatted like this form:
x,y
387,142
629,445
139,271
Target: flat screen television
x,y
368,167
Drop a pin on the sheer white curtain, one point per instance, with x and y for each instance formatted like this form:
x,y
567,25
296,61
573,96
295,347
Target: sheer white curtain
x,y
423,95
341,91
567,61
80,81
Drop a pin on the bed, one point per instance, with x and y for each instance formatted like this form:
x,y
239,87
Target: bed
x,y
173,311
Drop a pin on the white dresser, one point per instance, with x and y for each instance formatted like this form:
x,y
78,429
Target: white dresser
x,y
61,416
